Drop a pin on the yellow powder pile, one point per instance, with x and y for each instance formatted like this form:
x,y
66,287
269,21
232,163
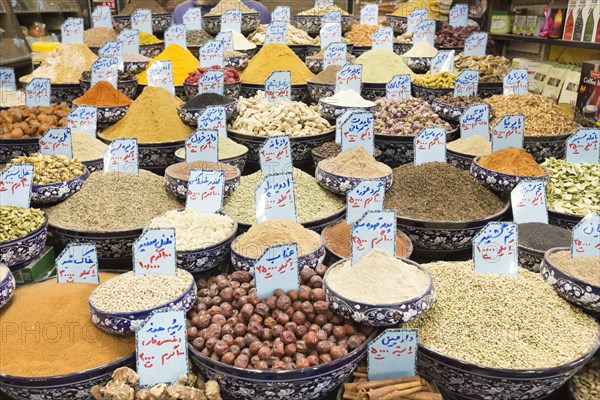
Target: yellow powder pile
x,y
275,57
380,66
183,62
65,64
151,118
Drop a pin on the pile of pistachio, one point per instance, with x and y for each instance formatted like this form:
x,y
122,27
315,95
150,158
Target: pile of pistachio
x,y
573,188
16,222
491,68
51,168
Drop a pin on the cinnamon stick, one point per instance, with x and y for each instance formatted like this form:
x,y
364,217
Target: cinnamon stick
x,y
398,393
424,396
383,391
359,375
387,382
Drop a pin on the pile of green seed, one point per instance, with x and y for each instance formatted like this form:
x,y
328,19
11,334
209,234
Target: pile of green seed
x,y
312,201
573,188
502,322
16,222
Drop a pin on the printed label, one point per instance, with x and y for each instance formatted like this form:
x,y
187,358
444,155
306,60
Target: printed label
x,y
212,82
335,54
275,198
231,20
508,132
466,83
430,145
154,252
78,263
205,190
278,86
176,35
424,32
582,146
105,69
349,77
367,195
211,54
398,87
586,237
495,249
459,15
516,81
393,354
415,18
57,141
7,79
160,74
121,156
359,131
276,155
277,268
101,17
475,121
214,118
528,200
369,14
141,19
276,33
83,119
330,33
131,40
281,14
15,185
202,145
71,31
476,44
442,61
37,92
192,19
376,229
383,38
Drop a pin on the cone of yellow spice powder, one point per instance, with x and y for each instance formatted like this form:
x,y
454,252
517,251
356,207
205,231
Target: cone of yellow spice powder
x,y
151,118
275,57
182,60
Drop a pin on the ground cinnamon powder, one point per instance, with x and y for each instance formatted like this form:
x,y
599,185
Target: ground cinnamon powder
x,y
46,330
337,239
103,94
512,161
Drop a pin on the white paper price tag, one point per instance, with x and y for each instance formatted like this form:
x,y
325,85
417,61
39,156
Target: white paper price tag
x,y
359,131
275,155
212,82
121,156
141,20
349,77
582,146
278,86
430,145
202,145
281,14
476,44
398,88
205,190
442,61
475,120
37,92
393,354
113,50
71,31
586,237
214,118
466,83
160,74
212,54
7,79
323,3
375,229
369,14
415,18
459,15
367,195
78,263
330,33
275,198
516,81
495,249
15,185
231,20
131,40
528,201
176,34
105,69
383,38
276,33
154,252
340,121
101,17
508,132
161,347
277,268
192,19
227,39
83,119
335,54
425,32
57,141
332,17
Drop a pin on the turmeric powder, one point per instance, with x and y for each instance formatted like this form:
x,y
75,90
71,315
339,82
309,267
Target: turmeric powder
x,y
182,61
274,57
512,161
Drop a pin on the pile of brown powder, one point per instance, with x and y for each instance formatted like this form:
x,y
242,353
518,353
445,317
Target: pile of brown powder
x,y
64,65
356,163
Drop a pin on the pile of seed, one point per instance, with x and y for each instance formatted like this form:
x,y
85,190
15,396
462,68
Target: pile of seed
x,y
51,168
114,201
584,268
16,222
440,192
312,201
573,188
182,170
502,322
586,383
542,237
129,292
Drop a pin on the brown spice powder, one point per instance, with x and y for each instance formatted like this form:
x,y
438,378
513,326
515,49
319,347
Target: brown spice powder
x,y
337,239
182,170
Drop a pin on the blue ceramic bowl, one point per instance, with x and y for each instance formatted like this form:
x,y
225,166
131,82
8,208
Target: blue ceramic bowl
x,y
178,187
13,148
121,323
238,161
530,258
498,182
299,91
110,114
358,51
316,64
317,91
445,236
312,383
229,90
52,193
339,184
470,381
332,111
310,260
312,49
7,287
542,147
312,23
151,50
419,65
451,112
212,24
17,252
574,290
189,116
160,22
135,67
459,160
126,87
380,314
487,89
66,92
563,220
94,165
429,94
373,91
398,24
301,146
236,62
401,48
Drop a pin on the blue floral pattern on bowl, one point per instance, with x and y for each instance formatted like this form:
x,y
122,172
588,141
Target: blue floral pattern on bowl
x,y
380,314
419,65
229,90
332,111
151,50
299,91
317,91
178,187
358,51
373,91
398,24
20,251
312,23
237,62
429,94
135,67
94,165
563,220
401,48
574,290
459,160
190,116
66,92
7,288
121,323
110,114
127,87
339,184
52,193
160,22
13,148
314,64
310,260
530,259
542,147
238,161
212,24
498,182
312,383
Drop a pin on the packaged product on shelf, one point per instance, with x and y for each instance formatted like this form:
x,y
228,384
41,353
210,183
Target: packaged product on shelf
x,y
587,108
554,81
568,94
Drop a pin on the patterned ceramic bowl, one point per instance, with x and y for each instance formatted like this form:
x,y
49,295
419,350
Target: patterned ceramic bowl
x,y
12,148
459,160
398,150
498,182
563,220
419,65
332,111
380,314
75,386
448,112
317,91
487,89
238,161
469,381
178,187
373,91
339,184
250,21
7,287
121,323
445,236
94,165
530,258
542,147
310,260
127,87
237,62
429,94
316,225
301,146
312,23
17,252
312,49
398,24
151,50
65,92
401,48
135,67
160,22
108,115
299,91
581,293
229,90
190,116
358,51
52,193
312,383
249,52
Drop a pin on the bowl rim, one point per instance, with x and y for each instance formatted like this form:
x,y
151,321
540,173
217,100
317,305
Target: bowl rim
x,y
241,256
389,175
434,224
552,266
430,287
410,138
233,84
487,170
224,160
97,310
261,86
142,145
236,177
459,154
120,234
429,88
310,82
9,276
256,138
125,106
563,215
30,235
319,221
193,110
340,107
148,45
84,176
316,16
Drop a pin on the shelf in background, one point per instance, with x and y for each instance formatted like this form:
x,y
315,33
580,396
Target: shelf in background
x,y
555,42
44,12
